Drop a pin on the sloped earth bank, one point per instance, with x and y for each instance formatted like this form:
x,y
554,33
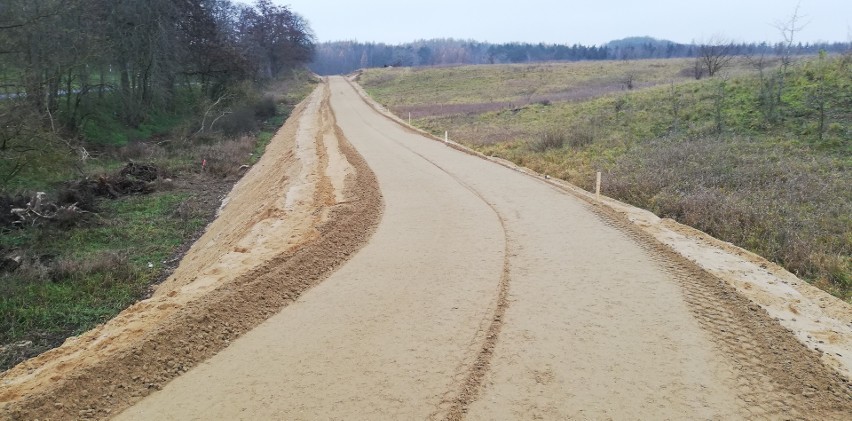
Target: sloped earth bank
x,y
486,293
297,215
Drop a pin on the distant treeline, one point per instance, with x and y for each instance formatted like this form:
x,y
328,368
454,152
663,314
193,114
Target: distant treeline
x,y
346,56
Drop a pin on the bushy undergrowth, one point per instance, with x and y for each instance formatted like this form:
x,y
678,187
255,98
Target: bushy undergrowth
x,y
553,138
788,209
716,154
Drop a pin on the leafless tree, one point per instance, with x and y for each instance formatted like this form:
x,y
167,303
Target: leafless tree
x,y
629,79
715,55
720,103
788,29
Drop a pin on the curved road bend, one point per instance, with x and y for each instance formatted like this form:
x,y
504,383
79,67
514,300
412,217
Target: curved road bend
x,y
476,275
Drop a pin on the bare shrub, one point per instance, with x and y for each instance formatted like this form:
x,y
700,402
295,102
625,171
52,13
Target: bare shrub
x,y
141,151
581,134
629,80
225,158
552,138
239,122
114,267
33,270
576,136
715,55
190,209
692,71
265,108
750,195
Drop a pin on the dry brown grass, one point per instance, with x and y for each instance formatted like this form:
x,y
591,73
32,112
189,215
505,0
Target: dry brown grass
x,y
227,158
787,209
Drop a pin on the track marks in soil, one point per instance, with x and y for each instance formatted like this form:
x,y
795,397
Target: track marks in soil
x,y
472,385
456,401
778,377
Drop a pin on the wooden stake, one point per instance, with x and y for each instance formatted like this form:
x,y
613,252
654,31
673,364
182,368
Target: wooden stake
x,y
598,186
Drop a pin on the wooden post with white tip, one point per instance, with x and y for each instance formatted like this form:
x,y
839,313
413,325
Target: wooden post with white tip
x,y
598,186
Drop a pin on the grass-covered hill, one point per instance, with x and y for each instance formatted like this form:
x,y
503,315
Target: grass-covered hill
x,y
759,155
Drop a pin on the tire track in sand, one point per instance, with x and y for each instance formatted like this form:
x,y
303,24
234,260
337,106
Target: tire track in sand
x,y
456,401
777,376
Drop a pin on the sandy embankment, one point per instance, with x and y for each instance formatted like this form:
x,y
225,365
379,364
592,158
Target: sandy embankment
x,y
283,228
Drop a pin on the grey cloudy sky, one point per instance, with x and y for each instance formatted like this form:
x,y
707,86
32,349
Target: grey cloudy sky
x,y
568,22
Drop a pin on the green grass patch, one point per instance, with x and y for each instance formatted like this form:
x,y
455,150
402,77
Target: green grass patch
x,y
71,280
102,124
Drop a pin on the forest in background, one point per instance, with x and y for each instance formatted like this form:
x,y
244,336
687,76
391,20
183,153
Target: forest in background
x,y
342,57
75,74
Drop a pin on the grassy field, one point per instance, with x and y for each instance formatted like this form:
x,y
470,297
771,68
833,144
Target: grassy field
x,y
715,153
74,275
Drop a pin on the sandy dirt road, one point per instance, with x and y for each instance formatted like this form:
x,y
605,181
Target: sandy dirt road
x,y
362,270
488,294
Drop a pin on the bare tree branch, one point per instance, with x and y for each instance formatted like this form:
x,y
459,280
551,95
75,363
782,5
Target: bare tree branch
x,y
206,113
715,55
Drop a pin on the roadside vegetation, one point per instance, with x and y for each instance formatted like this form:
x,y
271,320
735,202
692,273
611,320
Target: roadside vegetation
x,y
107,234
759,155
115,151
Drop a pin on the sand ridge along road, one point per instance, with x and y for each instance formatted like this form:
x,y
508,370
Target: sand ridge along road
x,y
488,294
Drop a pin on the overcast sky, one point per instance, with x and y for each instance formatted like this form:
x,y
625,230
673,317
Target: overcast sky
x,y
567,22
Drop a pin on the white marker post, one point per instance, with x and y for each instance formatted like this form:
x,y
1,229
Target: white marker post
x,y
598,186
446,137
409,118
